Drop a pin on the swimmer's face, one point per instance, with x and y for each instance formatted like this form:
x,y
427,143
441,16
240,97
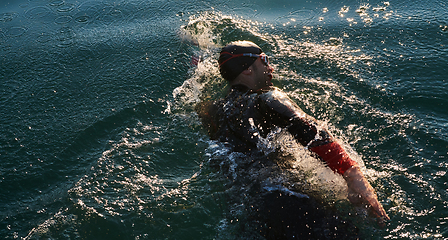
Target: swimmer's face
x,y
262,73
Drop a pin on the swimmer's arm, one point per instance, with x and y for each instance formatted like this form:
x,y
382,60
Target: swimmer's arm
x,y
339,161
359,185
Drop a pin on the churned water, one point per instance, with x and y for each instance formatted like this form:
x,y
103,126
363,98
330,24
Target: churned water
x,y
99,139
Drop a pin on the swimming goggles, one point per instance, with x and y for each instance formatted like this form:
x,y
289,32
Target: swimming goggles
x,y
264,58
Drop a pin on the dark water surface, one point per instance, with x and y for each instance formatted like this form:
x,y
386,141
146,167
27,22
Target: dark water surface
x,y
99,139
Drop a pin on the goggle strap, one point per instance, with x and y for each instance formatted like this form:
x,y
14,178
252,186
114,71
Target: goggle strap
x,y
241,55
232,56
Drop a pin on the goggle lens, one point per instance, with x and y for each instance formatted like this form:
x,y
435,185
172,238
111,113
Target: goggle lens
x,y
264,58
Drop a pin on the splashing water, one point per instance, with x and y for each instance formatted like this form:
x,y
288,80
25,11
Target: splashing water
x,y
99,137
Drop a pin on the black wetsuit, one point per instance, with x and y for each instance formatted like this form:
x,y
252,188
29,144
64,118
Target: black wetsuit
x,y
245,116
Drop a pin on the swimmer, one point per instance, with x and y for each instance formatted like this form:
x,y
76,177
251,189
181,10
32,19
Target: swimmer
x,y
254,107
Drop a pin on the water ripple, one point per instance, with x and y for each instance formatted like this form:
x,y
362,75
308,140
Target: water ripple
x,y
56,3
63,19
65,37
68,7
37,12
16,31
9,16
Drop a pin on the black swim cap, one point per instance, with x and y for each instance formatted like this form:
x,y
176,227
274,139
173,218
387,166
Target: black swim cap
x,y
230,64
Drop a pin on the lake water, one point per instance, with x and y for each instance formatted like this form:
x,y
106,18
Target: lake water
x,y
99,138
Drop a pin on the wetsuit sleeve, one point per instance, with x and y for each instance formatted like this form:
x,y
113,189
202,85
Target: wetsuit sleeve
x,y
335,157
283,112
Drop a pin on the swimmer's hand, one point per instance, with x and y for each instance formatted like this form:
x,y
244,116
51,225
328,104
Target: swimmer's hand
x,y
360,187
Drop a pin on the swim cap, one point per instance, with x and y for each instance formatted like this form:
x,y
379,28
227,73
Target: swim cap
x,y
230,64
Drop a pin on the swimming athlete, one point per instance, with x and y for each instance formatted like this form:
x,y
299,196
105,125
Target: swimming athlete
x,y
254,107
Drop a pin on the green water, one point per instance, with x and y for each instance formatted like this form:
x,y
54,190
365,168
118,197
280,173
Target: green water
x,y
99,140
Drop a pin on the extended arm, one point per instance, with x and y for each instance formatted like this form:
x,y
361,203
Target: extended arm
x,y
339,161
306,130
358,185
